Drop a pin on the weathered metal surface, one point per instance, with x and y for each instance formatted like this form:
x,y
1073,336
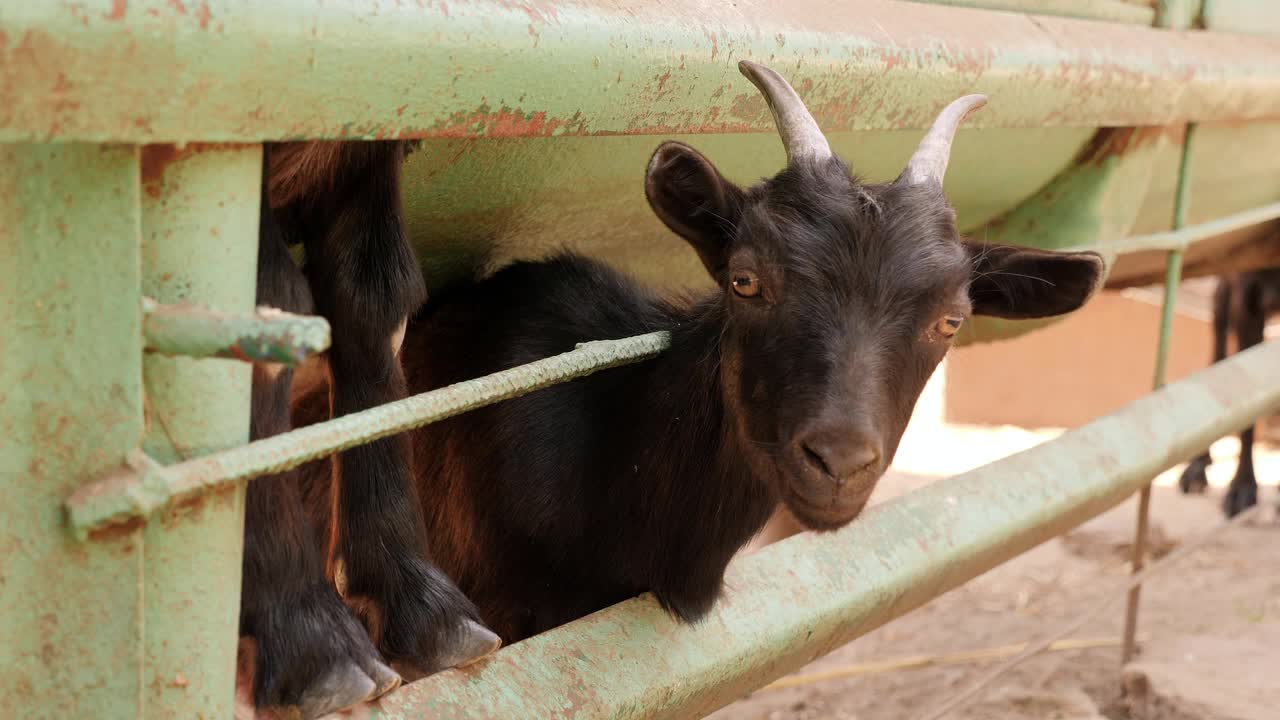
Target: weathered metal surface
x,y
1095,200
241,70
1177,14
805,596
70,408
199,245
1253,17
1248,248
137,491
1235,173
1183,237
1135,12
265,335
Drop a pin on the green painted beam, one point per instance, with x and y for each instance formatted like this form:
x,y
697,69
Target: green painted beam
x,y
124,496
152,71
1121,11
1253,17
265,335
1091,204
805,596
71,407
199,245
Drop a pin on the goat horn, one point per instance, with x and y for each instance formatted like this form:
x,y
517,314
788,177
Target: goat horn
x,y
929,163
800,134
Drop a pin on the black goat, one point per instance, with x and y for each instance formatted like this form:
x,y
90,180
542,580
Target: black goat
x,y
342,202
793,382
1243,302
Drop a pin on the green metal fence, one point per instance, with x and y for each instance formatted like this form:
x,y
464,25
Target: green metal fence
x,y
129,171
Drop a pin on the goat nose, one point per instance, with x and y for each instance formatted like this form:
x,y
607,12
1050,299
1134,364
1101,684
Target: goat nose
x,y
840,454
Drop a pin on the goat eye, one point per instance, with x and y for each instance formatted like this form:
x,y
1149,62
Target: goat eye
x,y
746,283
949,325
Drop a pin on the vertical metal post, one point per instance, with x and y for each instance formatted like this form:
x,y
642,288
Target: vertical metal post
x,y
199,244
1172,278
71,408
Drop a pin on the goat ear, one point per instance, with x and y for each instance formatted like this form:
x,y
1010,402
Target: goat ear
x,y
687,192
1021,283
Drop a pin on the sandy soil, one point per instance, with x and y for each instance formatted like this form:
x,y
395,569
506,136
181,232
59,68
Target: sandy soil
x,y
1226,593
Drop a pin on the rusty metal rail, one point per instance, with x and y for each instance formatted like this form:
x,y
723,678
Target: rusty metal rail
x,y
803,597
266,335
245,71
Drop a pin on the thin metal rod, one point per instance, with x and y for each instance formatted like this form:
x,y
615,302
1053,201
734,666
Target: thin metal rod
x,y
1172,279
1134,581
146,486
268,335
1180,239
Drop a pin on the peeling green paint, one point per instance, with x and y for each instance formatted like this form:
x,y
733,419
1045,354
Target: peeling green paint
x,y
70,410
200,240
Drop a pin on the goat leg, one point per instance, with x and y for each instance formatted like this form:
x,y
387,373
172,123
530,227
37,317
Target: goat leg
x,y
366,281
307,651
1250,323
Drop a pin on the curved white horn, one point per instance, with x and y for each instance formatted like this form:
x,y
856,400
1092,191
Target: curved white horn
x,y
800,134
929,163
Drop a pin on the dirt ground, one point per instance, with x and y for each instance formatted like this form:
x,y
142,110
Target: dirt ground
x,y
1220,608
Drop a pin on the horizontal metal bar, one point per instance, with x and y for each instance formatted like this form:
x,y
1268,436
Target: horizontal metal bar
x,y
146,486
268,335
1121,11
1182,238
809,594
248,70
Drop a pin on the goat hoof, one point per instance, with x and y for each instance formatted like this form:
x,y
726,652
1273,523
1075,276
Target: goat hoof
x,y
342,687
473,642
1193,479
424,631
1239,497
313,658
384,678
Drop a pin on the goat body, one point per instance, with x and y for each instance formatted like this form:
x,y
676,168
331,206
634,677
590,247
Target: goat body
x,y
552,505
594,490
791,382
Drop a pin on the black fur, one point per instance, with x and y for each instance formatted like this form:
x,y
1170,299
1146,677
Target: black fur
x,y
341,201
651,476
1243,302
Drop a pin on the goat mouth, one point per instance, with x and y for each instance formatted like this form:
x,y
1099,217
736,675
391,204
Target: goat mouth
x,y
824,516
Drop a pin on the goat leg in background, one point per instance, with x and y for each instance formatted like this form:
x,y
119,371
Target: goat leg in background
x,y
302,647
1250,325
366,282
1194,479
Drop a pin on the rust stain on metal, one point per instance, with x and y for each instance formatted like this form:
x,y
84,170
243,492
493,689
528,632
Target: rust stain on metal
x,y
1116,142
189,508
118,8
537,12
122,530
157,158
505,122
